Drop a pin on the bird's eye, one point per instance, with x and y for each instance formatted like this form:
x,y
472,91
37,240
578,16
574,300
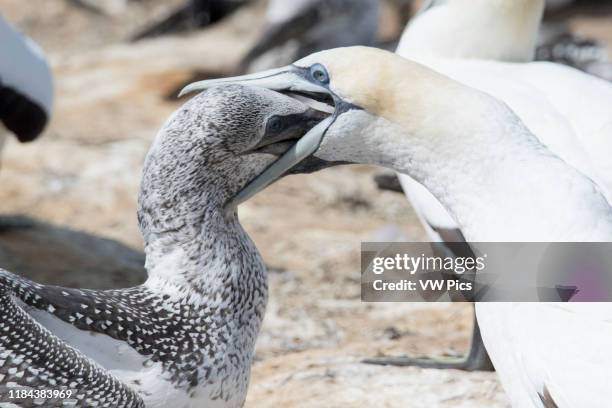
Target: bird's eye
x,y
319,74
274,124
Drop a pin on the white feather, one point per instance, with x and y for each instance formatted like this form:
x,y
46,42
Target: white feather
x,y
563,348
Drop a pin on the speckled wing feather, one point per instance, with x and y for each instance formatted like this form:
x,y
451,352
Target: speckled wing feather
x,y
33,358
161,331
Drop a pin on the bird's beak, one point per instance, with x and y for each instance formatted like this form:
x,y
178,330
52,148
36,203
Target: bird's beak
x,y
286,79
289,80
302,149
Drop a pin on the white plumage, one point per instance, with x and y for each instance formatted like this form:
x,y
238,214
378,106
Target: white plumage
x,y
185,338
498,181
535,347
566,124
24,67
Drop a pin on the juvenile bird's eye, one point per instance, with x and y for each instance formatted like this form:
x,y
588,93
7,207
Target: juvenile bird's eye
x,y
319,74
274,124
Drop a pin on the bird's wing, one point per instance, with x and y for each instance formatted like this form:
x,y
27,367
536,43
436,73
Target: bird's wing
x,y
125,331
110,327
540,348
31,357
431,213
537,110
102,325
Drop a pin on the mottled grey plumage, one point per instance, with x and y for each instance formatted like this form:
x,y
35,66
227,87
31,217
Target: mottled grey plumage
x,y
190,330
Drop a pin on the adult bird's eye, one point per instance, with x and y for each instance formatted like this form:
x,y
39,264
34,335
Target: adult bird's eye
x,y
274,124
319,74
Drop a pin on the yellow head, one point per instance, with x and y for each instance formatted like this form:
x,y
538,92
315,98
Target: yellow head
x,y
381,103
379,82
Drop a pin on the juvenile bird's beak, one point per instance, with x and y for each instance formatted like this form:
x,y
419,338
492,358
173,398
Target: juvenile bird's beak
x,y
294,127
302,149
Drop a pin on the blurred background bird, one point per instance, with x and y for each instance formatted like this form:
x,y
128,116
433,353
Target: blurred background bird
x,y
26,86
298,28
26,91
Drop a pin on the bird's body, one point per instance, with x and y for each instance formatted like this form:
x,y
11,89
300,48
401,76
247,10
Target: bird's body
x,y
301,27
496,179
185,338
26,85
166,344
501,184
569,113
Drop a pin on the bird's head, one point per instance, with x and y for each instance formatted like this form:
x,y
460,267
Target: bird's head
x,y
212,146
376,97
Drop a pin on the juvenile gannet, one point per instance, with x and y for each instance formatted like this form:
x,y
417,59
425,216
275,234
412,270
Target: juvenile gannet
x,y
499,182
298,28
185,338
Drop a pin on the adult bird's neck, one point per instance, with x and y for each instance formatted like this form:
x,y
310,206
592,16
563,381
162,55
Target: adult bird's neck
x,y
492,173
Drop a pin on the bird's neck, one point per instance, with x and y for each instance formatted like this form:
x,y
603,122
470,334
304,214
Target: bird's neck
x,y
503,30
492,173
195,249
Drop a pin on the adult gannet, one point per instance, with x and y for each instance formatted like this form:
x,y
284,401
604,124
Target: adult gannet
x,y
445,32
298,28
184,338
489,46
483,32
499,182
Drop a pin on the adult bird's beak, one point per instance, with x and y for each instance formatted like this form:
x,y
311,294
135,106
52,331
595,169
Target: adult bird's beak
x,y
302,149
290,79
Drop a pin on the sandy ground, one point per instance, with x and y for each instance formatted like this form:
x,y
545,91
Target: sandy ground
x,y
78,186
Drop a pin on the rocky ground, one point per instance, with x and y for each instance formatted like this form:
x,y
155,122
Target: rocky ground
x,y
77,186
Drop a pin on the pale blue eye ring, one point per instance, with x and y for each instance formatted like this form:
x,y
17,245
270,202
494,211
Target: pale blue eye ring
x,y
319,74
